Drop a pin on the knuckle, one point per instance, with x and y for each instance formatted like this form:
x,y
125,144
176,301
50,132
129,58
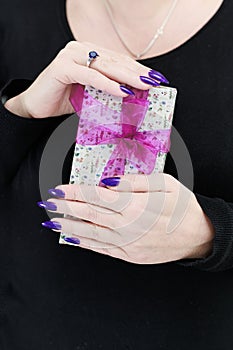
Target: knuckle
x,y
128,59
94,232
169,177
62,54
113,60
92,213
104,63
87,43
61,61
139,68
124,57
71,45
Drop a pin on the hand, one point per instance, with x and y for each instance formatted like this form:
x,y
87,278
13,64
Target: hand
x,y
144,220
49,94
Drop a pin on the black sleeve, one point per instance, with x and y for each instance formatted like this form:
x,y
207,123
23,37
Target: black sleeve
x,y
220,214
18,135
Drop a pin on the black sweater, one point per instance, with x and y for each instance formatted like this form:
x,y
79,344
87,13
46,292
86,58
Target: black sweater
x,y
67,298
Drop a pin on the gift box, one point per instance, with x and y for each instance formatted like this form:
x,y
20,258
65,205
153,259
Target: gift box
x,y
120,135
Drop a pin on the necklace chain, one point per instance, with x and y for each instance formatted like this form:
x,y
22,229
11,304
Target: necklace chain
x,y
159,32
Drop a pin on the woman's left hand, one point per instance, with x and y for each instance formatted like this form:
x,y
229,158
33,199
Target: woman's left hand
x,y
143,219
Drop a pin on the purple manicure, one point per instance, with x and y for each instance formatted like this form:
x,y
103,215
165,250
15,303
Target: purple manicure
x,y
52,224
72,240
47,205
149,81
56,192
111,181
126,90
158,76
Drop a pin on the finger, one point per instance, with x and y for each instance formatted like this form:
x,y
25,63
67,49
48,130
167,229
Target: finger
x,y
159,182
87,76
123,70
96,195
86,211
118,59
75,233
102,236
117,67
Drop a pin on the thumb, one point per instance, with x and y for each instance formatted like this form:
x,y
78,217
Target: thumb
x,y
159,182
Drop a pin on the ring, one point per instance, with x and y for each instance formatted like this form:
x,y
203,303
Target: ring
x,y
92,55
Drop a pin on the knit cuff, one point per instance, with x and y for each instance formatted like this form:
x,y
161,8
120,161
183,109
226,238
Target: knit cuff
x,y
220,214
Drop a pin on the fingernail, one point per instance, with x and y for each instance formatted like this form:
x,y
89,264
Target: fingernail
x,y
72,240
56,192
111,181
47,205
157,75
52,224
126,90
149,81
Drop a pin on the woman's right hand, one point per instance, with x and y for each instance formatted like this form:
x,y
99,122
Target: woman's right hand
x,y
49,94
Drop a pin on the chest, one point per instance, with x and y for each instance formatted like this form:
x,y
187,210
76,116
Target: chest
x,y
93,23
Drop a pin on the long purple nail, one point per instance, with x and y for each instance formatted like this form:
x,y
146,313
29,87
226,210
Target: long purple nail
x,y
111,181
56,192
126,90
158,76
72,240
47,205
52,224
149,81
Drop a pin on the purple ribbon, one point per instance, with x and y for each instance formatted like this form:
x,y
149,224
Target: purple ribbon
x,y
140,148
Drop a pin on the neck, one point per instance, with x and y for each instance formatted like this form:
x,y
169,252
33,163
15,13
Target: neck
x,y
136,10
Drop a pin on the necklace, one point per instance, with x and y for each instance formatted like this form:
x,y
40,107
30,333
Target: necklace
x,y
158,32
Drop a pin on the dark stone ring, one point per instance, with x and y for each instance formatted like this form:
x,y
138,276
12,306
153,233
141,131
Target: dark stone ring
x,y
92,55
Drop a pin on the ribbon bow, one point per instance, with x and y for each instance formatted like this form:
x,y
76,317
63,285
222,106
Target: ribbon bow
x,y
99,124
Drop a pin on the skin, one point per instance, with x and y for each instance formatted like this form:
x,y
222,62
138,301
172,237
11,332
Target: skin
x,y
139,21
49,96
131,221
